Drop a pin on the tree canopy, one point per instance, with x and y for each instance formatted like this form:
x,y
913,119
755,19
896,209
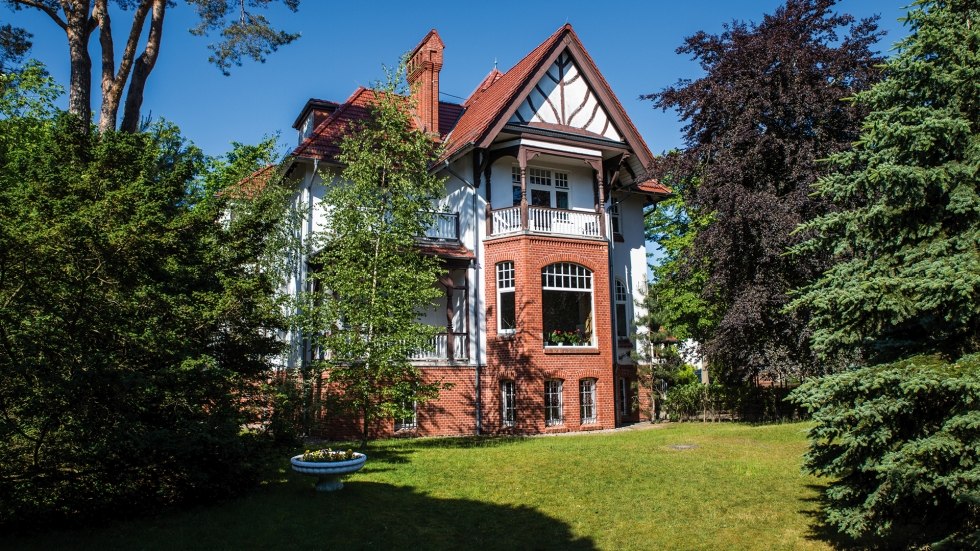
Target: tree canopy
x,y
373,281
904,236
767,110
244,34
133,325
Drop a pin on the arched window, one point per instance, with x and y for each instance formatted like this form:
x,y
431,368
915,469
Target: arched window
x,y
622,310
587,399
553,399
566,305
508,403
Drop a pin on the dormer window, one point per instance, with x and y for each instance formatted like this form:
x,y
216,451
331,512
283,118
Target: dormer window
x,y
307,128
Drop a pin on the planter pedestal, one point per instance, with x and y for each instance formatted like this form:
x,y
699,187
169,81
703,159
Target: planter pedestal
x,y
328,473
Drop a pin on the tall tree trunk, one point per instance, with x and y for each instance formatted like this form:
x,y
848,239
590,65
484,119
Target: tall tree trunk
x,y
78,27
142,68
113,82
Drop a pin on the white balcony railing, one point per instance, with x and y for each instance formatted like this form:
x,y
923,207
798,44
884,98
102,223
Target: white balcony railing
x,y
563,222
445,226
507,220
440,348
547,220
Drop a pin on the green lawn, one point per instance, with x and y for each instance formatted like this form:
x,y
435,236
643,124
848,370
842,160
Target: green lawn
x,y
738,487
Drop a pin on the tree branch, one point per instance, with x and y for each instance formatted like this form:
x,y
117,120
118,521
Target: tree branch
x,y
46,9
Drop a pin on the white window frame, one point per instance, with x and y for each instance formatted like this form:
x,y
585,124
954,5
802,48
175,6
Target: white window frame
x,y
506,278
408,423
623,397
543,179
508,403
554,410
571,277
622,296
587,401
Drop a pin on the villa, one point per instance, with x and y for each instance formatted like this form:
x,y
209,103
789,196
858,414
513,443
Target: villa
x,y
540,231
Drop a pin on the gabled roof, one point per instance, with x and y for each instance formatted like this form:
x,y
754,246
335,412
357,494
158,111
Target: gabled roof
x,y
483,115
324,142
487,111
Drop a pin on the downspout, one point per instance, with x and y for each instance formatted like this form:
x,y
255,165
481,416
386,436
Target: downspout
x,y
614,345
305,261
476,301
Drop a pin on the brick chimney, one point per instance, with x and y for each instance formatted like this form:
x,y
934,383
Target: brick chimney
x,y
424,64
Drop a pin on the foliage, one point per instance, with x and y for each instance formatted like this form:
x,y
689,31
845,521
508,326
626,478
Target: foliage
x,y
14,45
767,110
133,326
244,34
713,402
900,443
328,455
658,361
373,281
571,338
678,279
906,270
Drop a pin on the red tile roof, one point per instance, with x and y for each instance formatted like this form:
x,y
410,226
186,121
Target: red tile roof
x,y
251,185
324,142
487,105
471,123
653,186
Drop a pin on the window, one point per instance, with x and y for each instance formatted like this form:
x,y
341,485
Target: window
x,y
566,305
515,188
623,397
508,403
586,391
539,177
561,190
506,309
553,402
622,310
409,422
614,218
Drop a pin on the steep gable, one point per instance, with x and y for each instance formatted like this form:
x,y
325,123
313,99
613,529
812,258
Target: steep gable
x,y
562,99
556,86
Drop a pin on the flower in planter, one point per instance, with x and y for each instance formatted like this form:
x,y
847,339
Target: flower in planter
x,y
327,456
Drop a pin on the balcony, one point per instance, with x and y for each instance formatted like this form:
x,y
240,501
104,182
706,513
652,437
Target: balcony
x,y
440,347
445,227
544,220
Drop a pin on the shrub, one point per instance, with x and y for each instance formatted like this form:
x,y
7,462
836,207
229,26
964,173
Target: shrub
x,y
901,445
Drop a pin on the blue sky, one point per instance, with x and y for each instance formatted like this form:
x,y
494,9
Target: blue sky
x,y
344,45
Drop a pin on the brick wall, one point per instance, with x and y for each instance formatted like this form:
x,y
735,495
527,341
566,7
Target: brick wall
x,y
522,357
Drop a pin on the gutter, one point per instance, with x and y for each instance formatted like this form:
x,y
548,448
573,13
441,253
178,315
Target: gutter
x,y
477,267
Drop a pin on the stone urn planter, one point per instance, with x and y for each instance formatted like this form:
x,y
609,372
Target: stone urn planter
x,y
328,472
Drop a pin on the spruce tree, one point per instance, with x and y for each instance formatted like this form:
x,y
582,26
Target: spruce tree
x,y
906,277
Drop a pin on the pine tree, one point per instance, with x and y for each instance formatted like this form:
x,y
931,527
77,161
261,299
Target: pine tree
x,y
906,277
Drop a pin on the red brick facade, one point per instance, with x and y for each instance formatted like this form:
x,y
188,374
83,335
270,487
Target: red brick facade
x,y
523,358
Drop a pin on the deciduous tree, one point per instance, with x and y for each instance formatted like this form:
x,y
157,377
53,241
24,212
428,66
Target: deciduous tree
x,y
375,281
767,110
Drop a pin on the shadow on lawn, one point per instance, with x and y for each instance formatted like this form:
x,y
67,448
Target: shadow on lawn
x,y
375,515
821,531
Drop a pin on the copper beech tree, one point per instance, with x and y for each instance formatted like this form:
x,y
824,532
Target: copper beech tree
x,y
244,34
767,110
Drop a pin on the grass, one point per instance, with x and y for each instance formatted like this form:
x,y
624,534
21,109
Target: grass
x,y
684,486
